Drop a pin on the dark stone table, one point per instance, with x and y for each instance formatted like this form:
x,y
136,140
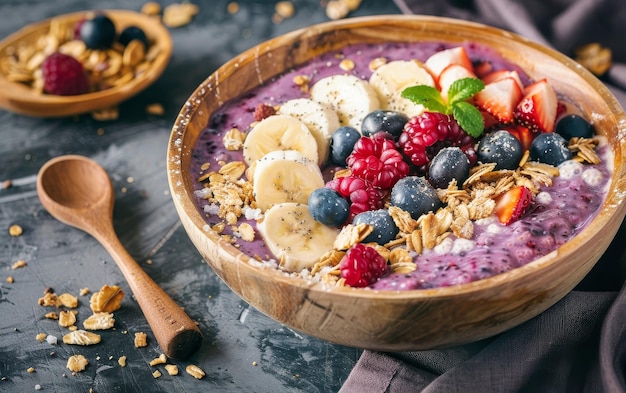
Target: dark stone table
x,y
243,350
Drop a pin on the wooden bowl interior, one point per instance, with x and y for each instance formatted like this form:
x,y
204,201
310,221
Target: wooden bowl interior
x,y
19,98
417,319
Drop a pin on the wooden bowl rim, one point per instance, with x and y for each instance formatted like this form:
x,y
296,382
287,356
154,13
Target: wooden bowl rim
x,y
19,98
614,205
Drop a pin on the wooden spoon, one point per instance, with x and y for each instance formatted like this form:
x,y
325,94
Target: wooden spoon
x,y
77,191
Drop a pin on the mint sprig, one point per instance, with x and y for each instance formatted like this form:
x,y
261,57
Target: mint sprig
x,y
466,114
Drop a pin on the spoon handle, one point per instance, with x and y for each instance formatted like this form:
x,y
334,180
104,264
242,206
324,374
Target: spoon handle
x,y
177,335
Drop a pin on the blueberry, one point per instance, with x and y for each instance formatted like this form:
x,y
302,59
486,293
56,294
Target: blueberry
x,y
328,207
501,148
449,163
390,122
98,32
133,33
385,229
550,148
342,143
415,195
571,126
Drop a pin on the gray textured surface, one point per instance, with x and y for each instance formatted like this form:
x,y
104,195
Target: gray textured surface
x,y
132,150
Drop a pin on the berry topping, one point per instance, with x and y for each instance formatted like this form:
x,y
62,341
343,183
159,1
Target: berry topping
x,y
437,62
502,74
64,75
538,107
415,195
391,122
523,134
328,207
500,98
512,204
263,111
455,103
376,160
501,148
550,148
571,126
342,143
98,32
133,33
385,229
362,266
449,164
360,195
426,134
451,74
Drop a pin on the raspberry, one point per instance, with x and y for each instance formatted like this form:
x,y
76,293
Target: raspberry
x,y
360,195
64,75
362,266
263,111
424,135
376,160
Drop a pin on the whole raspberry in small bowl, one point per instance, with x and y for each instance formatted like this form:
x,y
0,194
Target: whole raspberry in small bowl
x,y
64,75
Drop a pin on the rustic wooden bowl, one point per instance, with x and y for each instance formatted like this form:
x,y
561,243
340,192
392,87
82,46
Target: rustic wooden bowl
x,y
416,319
19,98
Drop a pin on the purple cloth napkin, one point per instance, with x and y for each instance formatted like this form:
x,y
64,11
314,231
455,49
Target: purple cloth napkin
x,y
579,344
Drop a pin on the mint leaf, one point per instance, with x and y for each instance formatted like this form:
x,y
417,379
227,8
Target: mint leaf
x,y
427,96
467,115
469,118
462,89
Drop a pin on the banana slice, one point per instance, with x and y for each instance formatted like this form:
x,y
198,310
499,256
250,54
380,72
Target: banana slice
x,y
284,176
294,237
279,132
391,78
351,97
321,119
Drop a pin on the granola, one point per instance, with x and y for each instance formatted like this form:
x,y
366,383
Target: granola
x,y
108,299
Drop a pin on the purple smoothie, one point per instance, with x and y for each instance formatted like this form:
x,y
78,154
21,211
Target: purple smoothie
x,y
558,213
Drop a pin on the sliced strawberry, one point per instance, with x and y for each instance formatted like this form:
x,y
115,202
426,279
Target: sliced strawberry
x,y
512,204
437,62
483,68
538,108
501,74
523,134
488,120
449,75
500,99
561,109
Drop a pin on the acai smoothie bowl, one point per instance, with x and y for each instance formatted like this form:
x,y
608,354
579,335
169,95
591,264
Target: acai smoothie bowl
x,y
400,182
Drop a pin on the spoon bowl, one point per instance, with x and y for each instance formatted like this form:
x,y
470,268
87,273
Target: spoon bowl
x,y
78,192
72,187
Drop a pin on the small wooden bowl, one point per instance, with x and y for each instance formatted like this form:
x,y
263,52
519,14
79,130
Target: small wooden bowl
x,y
416,319
19,98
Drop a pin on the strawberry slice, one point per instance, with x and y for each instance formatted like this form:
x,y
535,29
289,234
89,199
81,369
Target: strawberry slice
x,y
437,62
500,98
501,74
512,204
483,68
488,119
449,75
538,108
523,134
